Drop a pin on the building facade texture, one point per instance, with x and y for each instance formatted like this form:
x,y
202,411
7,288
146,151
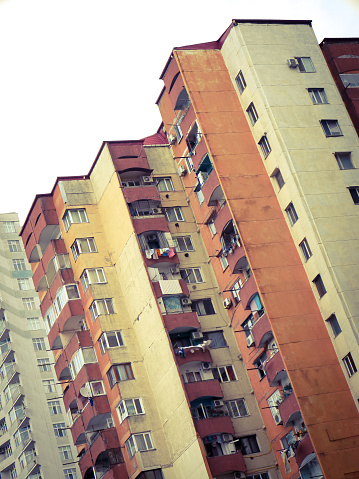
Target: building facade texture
x,y
204,318
34,437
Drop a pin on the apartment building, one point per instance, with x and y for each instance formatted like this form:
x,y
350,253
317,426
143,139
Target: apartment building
x,y
268,155
154,383
342,57
34,438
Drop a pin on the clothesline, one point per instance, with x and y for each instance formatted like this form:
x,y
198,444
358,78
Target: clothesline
x,y
156,253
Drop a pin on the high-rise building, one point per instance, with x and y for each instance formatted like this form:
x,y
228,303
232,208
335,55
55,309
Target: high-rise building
x,y
34,438
204,312
342,56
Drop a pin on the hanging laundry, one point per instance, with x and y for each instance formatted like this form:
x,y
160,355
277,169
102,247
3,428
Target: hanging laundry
x,y
159,252
155,255
165,251
285,460
148,253
172,252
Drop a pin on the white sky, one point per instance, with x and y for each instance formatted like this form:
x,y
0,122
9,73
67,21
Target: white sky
x,y
77,72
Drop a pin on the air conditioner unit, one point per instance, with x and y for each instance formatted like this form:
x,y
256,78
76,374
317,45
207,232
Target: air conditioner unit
x,y
227,303
147,179
197,335
152,238
278,419
218,403
181,170
227,437
175,269
239,475
172,139
206,366
186,301
156,211
292,63
250,340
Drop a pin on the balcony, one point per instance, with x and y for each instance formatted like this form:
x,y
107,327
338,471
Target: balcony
x,y
70,318
92,418
105,440
199,389
226,464
88,372
289,410
144,192
192,353
304,448
211,425
80,339
261,330
275,369
222,218
170,286
181,322
46,272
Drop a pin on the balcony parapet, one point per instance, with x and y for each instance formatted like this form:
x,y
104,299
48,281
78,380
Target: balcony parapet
x,y
275,369
208,388
261,330
304,448
170,286
181,322
81,339
88,372
212,425
100,405
192,353
289,409
106,439
226,464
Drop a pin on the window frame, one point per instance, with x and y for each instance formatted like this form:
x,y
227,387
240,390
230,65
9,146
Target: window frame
x,y
167,181
265,147
77,247
95,310
24,284
123,412
68,220
354,193
319,284
104,343
304,68
14,246
86,277
339,157
185,239
9,226
132,444
65,452
305,249
230,408
225,373
252,114
250,444
318,93
334,324
350,365
187,273
113,375
329,129
55,408
198,310
291,214
19,264
240,82
59,431
39,341
277,175
44,366
176,211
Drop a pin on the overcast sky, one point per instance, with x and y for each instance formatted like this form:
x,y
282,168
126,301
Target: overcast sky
x,y
77,72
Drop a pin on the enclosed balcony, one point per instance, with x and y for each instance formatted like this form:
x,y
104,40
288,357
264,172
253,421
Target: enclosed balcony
x,y
81,339
275,369
226,464
261,329
289,409
54,259
141,209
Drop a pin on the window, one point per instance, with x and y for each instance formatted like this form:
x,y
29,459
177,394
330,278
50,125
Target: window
x,y
350,364
203,307
177,128
111,339
241,83
13,472
350,80
44,365
317,95
101,306
216,338
119,372
14,246
304,246
277,175
129,407
223,260
164,184
174,214
191,275
54,407
291,213
97,388
39,344
212,227
74,216
265,146
224,374
91,276
61,261
262,475
248,445
237,408
65,453
319,285
331,127
237,286
24,284
83,245
81,357
33,324
273,402
344,160
9,226
305,64
183,243
139,442
27,457
19,264
354,192
259,363
17,412
49,385
60,429
252,113
70,473
189,163
334,324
